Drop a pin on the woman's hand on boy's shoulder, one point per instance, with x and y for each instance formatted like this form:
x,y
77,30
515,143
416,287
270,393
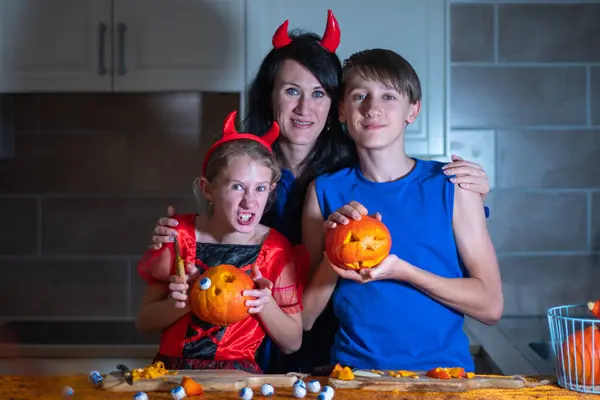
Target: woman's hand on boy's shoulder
x,y
353,210
162,233
467,175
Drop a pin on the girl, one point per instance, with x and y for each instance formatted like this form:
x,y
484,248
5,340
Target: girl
x,y
239,174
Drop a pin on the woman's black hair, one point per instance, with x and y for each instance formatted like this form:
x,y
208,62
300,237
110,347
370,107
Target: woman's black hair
x,y
333,149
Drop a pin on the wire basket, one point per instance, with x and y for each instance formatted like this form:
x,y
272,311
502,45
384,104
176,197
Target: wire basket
x,y
575,340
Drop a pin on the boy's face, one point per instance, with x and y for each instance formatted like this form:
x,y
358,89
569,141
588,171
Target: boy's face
x,y
376,114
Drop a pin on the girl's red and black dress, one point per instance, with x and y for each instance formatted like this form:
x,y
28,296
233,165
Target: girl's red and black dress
x,y
191,343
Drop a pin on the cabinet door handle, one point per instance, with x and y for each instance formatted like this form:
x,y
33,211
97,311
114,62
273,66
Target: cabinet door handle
x,y
101,45
122,28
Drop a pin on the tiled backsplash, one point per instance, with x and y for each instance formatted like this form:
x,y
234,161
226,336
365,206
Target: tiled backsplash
x,y
93,171
531,73
92,174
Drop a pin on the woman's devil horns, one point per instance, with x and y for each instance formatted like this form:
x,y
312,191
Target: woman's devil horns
x,y
330,39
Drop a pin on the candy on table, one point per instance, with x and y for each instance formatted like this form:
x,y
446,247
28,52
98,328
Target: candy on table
x,y
95,378
323,396
328,391
68,392
140,396
267,390
313,386
245,393
299,391
177,393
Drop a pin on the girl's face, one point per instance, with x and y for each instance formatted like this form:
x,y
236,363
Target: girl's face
x,y
239,193
300,104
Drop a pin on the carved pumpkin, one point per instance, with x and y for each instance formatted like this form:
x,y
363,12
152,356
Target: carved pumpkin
x,y
358,244
579,350
594,307
216,296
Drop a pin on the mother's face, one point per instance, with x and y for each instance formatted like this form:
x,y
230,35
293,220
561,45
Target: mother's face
x,y
300,104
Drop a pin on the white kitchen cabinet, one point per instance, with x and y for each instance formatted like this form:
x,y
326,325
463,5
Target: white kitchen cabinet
x,y
416,29
121,45
55,45
179,45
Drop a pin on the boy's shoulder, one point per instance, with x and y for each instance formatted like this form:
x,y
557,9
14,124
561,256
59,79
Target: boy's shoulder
x,y
431,165
331,176
430,169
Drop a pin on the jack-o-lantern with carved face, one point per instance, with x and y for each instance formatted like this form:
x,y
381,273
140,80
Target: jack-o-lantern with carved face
x,y
358,244
216,296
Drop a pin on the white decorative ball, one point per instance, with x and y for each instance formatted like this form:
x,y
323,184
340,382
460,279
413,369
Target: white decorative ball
x,y
313,386
299,391
205,283
246,393
267,390
68,392
140,396
300,383
178,393
95,378
328,390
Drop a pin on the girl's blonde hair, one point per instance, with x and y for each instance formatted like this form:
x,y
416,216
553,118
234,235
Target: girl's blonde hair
x,y
222,156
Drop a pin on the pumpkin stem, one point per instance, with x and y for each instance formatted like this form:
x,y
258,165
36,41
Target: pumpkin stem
x,y
590,305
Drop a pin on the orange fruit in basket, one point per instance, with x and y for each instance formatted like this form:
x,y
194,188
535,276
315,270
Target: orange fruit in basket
x,y
582,351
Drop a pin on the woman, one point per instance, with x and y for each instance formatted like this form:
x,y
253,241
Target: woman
x,y
297,85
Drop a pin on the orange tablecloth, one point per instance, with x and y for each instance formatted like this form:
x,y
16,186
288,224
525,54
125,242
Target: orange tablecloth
x,y
46,388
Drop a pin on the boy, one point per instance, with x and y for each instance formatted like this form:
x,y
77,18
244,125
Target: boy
x,y
408,312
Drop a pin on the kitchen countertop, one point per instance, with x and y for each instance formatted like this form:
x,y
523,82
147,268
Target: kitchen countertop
x,y
40,388
86,339
68,347
508,344
76,339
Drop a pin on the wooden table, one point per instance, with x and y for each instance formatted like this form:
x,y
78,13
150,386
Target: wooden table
x,y
50,388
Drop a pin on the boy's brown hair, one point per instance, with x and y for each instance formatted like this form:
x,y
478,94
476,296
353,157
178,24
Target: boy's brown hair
x,y
386,67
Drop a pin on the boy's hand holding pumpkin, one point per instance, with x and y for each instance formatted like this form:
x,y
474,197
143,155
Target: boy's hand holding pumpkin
x,y
391,267
262,292
359,251
353,210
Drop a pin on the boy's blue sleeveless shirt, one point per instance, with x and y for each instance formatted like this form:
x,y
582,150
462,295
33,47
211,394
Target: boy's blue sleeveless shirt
x,y
390,324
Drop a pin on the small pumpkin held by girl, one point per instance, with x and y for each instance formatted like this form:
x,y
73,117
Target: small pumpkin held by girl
x,y
243,278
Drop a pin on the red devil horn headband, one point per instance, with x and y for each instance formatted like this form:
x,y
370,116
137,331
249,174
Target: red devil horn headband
x,y
230,133
330,40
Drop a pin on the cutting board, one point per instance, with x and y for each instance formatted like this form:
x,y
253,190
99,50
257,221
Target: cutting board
x,y
365,380
211,380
